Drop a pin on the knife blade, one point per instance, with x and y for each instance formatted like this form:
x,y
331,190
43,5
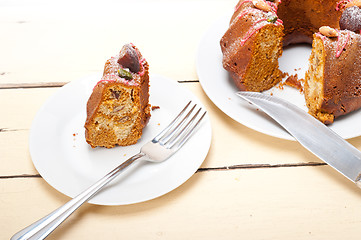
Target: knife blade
x,y
311,134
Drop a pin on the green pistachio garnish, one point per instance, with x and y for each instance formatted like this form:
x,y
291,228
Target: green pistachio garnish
x,y
272,19
125,74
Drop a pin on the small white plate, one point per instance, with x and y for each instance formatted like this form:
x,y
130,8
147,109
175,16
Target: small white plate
x,y
220,88
63,158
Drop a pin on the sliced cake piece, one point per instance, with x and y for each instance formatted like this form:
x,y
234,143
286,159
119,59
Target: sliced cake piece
x,y
118,108
333,80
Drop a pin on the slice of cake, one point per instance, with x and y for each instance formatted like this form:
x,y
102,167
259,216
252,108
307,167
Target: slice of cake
x,y
118,108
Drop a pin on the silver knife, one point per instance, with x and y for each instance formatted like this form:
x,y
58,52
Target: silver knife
x,y
311,133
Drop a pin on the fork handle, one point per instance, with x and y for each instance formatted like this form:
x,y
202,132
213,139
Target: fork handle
x,y
44,226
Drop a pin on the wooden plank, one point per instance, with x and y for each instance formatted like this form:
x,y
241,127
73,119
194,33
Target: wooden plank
x,y
14,154
19,106
281,203
47,47
31,85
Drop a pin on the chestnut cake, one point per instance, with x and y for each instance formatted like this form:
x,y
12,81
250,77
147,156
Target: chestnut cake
x,y
259,29
118,108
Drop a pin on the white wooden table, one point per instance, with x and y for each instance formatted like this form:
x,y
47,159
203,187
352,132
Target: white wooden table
x,y
250,186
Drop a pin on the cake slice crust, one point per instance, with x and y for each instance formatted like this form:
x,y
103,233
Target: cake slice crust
x,y
118,108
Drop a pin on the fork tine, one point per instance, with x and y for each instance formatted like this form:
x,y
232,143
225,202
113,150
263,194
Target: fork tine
x,y
167,129
172,132
186,132
168,142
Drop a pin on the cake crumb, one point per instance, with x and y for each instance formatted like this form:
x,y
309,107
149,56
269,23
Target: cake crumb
x,y
284,74
74,139
155,107
295,82
292,81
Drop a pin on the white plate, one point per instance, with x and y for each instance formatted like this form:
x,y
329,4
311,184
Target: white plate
x,y
219,87
63,158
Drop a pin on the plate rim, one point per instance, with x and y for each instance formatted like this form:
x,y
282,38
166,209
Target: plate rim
x,y
206,140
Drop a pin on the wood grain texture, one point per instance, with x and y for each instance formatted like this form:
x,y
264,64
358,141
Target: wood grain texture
x,y
286,203
67,48
250,186
31,85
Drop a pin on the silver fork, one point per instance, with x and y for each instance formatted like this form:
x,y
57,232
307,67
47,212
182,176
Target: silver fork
x,y
160,148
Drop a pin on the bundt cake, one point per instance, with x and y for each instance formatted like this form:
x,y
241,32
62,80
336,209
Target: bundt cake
x,y
118,108
333,79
